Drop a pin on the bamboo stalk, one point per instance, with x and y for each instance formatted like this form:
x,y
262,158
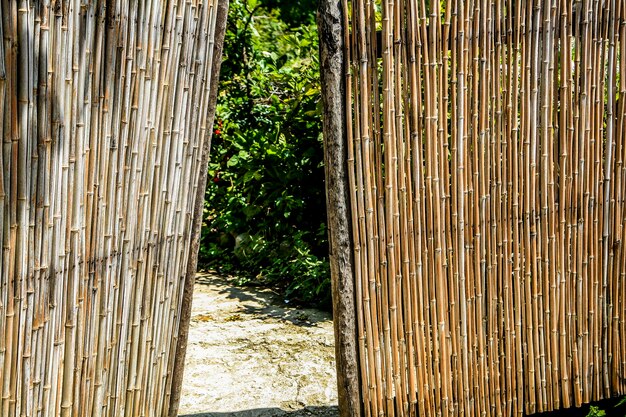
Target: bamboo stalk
x,y
84,201
495,265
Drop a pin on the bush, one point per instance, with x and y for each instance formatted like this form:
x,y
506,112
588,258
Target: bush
x,y
608,408
265,211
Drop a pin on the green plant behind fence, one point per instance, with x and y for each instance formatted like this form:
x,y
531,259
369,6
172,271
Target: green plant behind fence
x,y
265,212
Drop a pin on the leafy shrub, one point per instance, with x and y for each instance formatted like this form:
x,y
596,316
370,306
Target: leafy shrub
x,y
595,411
265,211
608,408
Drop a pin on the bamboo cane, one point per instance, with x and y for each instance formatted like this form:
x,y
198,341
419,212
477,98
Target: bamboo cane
x,y
500,173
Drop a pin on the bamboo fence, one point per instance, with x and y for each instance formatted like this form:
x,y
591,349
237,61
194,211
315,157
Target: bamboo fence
x,y
103,119
486,145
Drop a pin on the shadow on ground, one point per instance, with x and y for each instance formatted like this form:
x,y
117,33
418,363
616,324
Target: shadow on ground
x,y
265,303
275,412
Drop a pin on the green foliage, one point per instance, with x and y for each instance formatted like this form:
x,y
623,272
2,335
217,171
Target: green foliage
x,y
294,12
265,212
595,411
608,408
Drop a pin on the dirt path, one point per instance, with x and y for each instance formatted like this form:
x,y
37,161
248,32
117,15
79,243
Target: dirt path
x,y
251,355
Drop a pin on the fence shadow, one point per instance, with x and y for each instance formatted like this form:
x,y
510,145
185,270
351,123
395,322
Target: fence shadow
x,y
264,303
327,411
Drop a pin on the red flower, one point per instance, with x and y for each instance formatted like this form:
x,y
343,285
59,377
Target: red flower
x,y
217,132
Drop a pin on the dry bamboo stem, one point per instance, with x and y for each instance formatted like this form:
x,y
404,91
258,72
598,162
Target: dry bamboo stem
x,y
104,114
488,178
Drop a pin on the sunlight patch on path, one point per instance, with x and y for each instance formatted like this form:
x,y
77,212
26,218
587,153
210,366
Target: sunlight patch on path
x,y
249,351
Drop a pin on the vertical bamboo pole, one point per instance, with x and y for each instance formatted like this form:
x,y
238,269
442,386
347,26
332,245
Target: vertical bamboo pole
x,y
89,219
506,177
198,210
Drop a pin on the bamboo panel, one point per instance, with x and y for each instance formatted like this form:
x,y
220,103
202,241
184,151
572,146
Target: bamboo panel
x,y
486,146
103,116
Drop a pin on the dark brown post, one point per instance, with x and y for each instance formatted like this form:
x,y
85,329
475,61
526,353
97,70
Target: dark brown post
x,y
192,265
331,31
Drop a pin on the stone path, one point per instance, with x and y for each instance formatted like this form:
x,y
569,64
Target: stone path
x,y
252,355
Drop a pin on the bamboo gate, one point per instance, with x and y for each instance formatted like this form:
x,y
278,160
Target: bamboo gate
x,y
106,110
476,182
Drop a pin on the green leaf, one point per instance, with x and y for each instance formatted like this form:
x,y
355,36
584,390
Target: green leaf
x,y
233,162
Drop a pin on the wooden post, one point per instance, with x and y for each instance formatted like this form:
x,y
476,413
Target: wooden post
x,y
330,24
192,264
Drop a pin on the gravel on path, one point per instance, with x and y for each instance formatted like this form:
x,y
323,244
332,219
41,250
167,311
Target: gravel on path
x,y
252,355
